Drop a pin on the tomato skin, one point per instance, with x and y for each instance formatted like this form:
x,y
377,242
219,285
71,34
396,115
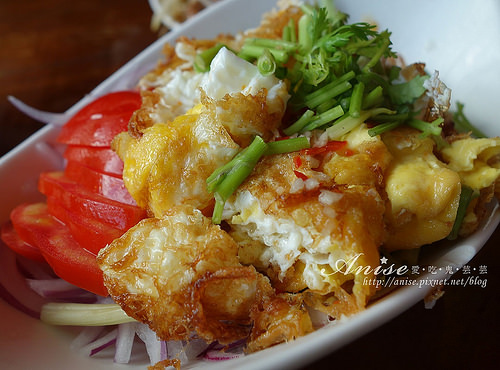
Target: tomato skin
x,y
82,201
15,243
111,187
100,121
103,160
91,234
66,257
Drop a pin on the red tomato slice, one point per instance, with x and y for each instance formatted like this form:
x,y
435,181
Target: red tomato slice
x,y
82,201
111,187
100,121
99,159
66,257
14,242
90,233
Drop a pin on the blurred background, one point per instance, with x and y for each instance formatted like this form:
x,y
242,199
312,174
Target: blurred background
x,y
53,52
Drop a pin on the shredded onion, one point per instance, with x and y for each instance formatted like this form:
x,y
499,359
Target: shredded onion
x,y
56,119
154,346
101,343
124,342
61,290
13,286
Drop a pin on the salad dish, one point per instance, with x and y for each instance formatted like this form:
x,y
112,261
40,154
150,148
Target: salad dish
x,y
226,196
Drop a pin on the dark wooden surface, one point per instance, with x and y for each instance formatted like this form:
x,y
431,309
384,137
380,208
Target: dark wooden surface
x,y
53,52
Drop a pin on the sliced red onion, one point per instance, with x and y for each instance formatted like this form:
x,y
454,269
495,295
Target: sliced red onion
x,y
175,349
34,269
101,343
13,286
86,336
124,342
153,344
318,318
57,119
194,348
61,290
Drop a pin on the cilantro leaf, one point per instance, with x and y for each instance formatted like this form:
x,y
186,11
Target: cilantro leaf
x,y
407,92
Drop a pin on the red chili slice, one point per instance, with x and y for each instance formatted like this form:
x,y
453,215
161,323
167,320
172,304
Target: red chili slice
x,y
331,146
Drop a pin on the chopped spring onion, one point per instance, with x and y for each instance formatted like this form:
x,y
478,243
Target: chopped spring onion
x,y
373,98
462,124
300,123
330,90
252,51
225,180
348,123
305,39
356,99
427,128
386,42
383,127
324,118
287,145
83,314
289,32
466,196
203,59
266,63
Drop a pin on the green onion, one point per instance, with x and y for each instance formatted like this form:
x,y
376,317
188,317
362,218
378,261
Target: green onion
x,y
324,118
81,314
289,32
203,59
287,145
383,127
266,63
323,107
327,94
305,38
427,128
462,124
255,51
378,54
225,180
356,99
271,44
373,98
392,117
467,194
347,123
329,91
300,123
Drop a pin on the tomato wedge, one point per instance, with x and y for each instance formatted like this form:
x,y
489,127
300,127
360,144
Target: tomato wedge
x,y
100,121
103,160
111,187
14,242
90,233
66,257
82,201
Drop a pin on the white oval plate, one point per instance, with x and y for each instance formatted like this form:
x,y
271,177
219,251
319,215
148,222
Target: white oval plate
x,y
458,38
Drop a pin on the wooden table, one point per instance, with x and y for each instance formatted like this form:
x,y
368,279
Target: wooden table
x,y
53,52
